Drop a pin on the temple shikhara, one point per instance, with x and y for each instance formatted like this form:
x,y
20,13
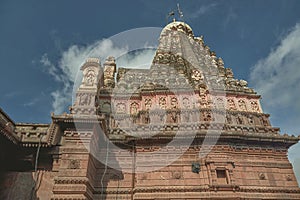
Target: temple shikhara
x,y
185,128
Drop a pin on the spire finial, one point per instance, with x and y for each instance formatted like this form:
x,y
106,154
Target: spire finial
x,y
179,12
172,14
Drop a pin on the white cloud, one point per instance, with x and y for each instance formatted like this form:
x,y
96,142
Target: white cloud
x,y
60,96
12,94
277,79
277,76
231,16
65,70
202,10
32,102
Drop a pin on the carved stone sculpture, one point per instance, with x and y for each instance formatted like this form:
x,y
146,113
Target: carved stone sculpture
x,y
242,105
231,104
162,102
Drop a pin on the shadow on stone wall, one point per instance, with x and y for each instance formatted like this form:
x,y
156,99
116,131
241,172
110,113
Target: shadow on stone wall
x,y
17,185
105,177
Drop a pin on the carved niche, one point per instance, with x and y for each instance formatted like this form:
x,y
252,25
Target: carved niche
x,y
203,100
134,108
250,119
254,106
176,175
242,105
162,102
148,104
239,119
106,107
207,116
231,104
196,75
264,120
174,103
185,103
289,178
74,164
84,99
90,77
120,108
173,117
228,118
220,103
262,176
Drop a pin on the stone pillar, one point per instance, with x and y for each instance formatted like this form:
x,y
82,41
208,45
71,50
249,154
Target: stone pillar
x,y
74,167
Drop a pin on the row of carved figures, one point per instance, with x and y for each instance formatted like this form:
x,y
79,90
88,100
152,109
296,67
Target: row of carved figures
x,y
188,116
164,103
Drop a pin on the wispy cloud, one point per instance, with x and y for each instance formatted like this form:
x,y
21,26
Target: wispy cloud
x,y
204,9
230,16
32,102
277,78
13,94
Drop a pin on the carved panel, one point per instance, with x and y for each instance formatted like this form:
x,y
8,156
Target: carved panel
x,y
262,176
106,107
176,175
90,77
231,105
134,108
120,108
203,100
148,103
220,103
289,178
196,75
84,99
254,106
74,164
242,105
173,117
174,103
185,103
162,102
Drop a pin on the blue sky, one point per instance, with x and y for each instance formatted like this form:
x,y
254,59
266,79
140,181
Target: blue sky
x,y
41,40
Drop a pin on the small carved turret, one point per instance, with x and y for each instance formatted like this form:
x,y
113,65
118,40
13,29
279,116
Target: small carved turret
x,y
86,93
109,72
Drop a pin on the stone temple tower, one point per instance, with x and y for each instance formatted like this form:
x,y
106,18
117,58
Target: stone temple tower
x,y
184,129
